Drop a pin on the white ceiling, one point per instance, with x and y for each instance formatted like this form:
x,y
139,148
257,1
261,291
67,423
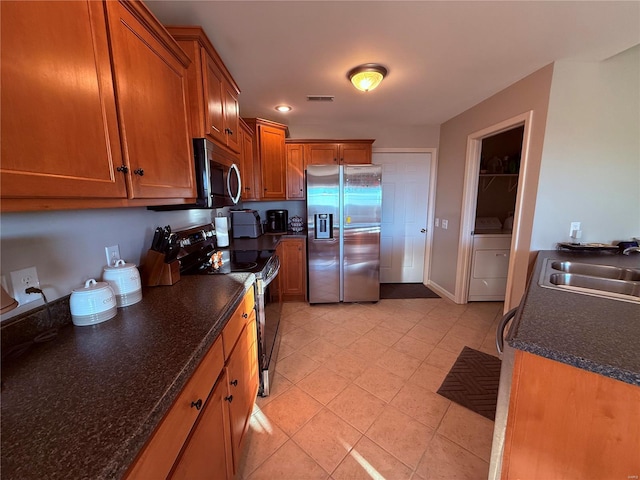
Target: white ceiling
x,y
443,57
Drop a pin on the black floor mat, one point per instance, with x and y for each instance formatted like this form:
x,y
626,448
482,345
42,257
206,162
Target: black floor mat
x,y
405,290
473,382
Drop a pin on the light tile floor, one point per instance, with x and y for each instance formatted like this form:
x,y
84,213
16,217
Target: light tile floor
x,y
354,397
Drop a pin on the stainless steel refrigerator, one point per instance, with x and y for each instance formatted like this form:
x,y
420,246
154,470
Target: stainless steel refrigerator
x,y
344,205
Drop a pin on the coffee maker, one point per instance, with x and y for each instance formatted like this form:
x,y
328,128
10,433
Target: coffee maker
x,y
277,221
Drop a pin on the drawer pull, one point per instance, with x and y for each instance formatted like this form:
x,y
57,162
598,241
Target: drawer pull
x,y
501,254
234,383
197,404
229,398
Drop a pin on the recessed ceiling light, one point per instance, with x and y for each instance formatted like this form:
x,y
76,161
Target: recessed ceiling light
x,y
283,108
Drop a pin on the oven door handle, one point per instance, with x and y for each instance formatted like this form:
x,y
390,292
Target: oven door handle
x,y
273,268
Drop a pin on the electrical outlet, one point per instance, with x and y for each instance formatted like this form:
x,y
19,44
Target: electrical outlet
x,y
445,223
575,226
574,231
23,279
437,223
112,253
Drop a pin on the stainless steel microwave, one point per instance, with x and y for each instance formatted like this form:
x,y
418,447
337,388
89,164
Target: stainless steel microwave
x,y
218,181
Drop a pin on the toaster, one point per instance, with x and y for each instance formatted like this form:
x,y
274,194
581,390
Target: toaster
x,y
246,223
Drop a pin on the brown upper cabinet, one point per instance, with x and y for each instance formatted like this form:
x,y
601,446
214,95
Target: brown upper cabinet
x,y
295,171
249,171
213,94
270,155
82,84
337,152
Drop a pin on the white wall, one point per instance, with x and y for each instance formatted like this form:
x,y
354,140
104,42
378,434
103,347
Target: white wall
x,y
530,93
67,247
590,169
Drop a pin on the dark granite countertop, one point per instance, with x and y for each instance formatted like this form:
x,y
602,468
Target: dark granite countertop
x,y
82,406
592,333
268,241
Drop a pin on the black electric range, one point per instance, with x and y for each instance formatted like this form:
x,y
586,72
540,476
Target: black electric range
x,y
198,255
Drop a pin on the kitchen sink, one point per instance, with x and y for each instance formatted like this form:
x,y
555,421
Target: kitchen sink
x,y
601,271
606,281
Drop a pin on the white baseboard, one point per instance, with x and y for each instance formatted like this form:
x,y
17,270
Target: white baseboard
x,y
441,291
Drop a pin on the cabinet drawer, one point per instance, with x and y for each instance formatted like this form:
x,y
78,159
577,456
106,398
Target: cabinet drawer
x,y
237,322
160,453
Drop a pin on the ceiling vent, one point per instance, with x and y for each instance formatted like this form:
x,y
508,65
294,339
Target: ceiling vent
x,y
320,98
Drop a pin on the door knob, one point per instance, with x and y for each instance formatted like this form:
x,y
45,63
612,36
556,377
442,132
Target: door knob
x,y
139,171
423,230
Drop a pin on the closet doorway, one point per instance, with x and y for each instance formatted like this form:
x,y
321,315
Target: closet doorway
x,y
483,172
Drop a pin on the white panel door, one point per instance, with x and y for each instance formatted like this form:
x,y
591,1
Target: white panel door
x,y
405,193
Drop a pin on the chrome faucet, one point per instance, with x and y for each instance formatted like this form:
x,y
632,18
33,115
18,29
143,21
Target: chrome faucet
x,y
627,251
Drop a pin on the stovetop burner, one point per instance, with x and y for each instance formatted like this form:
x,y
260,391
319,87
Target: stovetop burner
x,y
199,256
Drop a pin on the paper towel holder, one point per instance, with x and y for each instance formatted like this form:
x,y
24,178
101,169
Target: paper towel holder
x,y
222,231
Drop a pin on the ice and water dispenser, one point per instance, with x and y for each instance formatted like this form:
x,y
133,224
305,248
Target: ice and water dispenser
x,y
323,226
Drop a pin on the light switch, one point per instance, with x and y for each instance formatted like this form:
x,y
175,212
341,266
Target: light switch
x,y
445,223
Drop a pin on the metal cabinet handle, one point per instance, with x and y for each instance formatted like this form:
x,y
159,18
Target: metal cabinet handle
x,y
197,404
234,383
139,171
229,131
229,398
245,315
123,169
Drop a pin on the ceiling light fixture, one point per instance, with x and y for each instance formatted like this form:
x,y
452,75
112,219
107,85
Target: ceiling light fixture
x,y
283,108
367,77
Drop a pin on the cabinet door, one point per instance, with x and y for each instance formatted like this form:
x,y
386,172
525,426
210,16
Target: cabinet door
x,y
248,168
565,422
273,162
293,271
322,154
243,385
208,452
213,91
231,118
355,153
59,126
295,171
151,88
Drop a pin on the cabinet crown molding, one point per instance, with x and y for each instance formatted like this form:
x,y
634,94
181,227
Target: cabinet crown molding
x,y
324,140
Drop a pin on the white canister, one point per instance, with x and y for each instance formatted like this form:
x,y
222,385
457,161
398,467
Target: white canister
x,y
94,303
124,279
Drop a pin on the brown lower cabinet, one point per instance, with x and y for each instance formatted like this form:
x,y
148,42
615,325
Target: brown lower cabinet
x,y
203,433
293,269
565,422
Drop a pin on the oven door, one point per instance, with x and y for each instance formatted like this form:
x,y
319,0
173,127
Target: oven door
x,y
269,309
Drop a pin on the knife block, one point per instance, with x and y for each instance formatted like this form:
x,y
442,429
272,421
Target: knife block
x,y
156,272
